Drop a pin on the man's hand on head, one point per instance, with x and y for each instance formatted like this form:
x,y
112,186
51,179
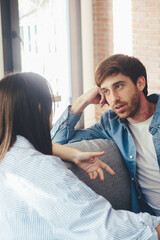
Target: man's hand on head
x,y
93,96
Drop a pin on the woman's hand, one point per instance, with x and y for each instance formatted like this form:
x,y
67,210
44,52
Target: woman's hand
x,y
89,162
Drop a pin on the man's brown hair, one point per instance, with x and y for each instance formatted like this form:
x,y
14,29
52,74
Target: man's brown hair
x,y
119,63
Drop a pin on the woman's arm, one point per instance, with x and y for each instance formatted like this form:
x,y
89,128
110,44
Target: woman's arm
x,y
158,231
88,161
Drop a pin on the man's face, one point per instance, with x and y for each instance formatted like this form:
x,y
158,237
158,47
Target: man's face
x,y
122,95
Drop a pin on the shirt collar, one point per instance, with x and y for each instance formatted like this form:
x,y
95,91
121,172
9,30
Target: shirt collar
x,y
153,98
23,142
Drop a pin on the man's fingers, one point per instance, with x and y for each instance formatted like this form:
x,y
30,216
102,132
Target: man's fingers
x,y
103,100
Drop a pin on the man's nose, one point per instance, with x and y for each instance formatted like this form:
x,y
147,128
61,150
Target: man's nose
x,y
114,96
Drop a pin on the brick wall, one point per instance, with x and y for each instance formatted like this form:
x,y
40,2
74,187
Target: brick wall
x,y
145,37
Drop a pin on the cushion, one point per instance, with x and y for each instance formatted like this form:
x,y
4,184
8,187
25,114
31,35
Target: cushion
x,y
116,189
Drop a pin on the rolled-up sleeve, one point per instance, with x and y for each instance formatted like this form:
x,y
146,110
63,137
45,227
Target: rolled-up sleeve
x,y
63,129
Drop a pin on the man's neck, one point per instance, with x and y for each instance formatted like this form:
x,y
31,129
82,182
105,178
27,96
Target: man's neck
x,y
146,110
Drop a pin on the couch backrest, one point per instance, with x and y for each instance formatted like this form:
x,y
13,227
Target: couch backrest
x,y
116,189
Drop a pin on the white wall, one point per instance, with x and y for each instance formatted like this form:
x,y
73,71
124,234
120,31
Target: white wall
x,y
82,54
75,48
87,56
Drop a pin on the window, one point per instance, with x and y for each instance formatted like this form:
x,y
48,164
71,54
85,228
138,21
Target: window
x,y
122,26
44,34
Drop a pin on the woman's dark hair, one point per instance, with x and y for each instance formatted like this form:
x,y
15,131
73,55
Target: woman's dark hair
x,y
119,63
25,108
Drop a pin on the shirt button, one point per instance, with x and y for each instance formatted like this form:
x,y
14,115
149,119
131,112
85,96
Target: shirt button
x,y
139,197
131,157
132,179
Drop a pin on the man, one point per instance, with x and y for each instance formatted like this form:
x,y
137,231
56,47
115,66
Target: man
x,y
133,123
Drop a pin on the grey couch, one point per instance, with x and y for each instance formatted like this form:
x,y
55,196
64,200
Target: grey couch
x,y
116,189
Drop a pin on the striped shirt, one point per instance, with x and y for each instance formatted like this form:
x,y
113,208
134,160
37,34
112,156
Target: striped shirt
x,y
40,199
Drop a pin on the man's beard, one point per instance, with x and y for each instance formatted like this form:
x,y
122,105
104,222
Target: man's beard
x,y
131,108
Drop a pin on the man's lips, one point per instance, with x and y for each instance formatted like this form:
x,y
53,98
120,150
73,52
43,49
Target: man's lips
x,y
119,107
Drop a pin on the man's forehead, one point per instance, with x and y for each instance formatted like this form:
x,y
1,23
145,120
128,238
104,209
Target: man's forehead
x,y
114,79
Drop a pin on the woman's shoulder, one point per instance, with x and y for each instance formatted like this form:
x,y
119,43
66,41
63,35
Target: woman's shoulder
x,y
23,160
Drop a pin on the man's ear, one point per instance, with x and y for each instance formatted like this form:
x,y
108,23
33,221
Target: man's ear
x,y
141,82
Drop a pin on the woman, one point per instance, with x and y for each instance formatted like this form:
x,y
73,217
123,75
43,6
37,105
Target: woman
x,y
40,198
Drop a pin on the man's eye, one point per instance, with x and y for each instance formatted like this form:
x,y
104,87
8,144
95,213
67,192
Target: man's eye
x,y
118,86
106,92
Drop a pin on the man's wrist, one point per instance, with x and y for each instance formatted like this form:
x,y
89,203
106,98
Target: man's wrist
x,y
79,105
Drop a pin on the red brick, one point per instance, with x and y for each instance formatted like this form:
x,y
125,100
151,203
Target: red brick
x,y
153,3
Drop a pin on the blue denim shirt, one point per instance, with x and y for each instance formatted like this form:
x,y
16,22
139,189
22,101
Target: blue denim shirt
x,y
116,129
